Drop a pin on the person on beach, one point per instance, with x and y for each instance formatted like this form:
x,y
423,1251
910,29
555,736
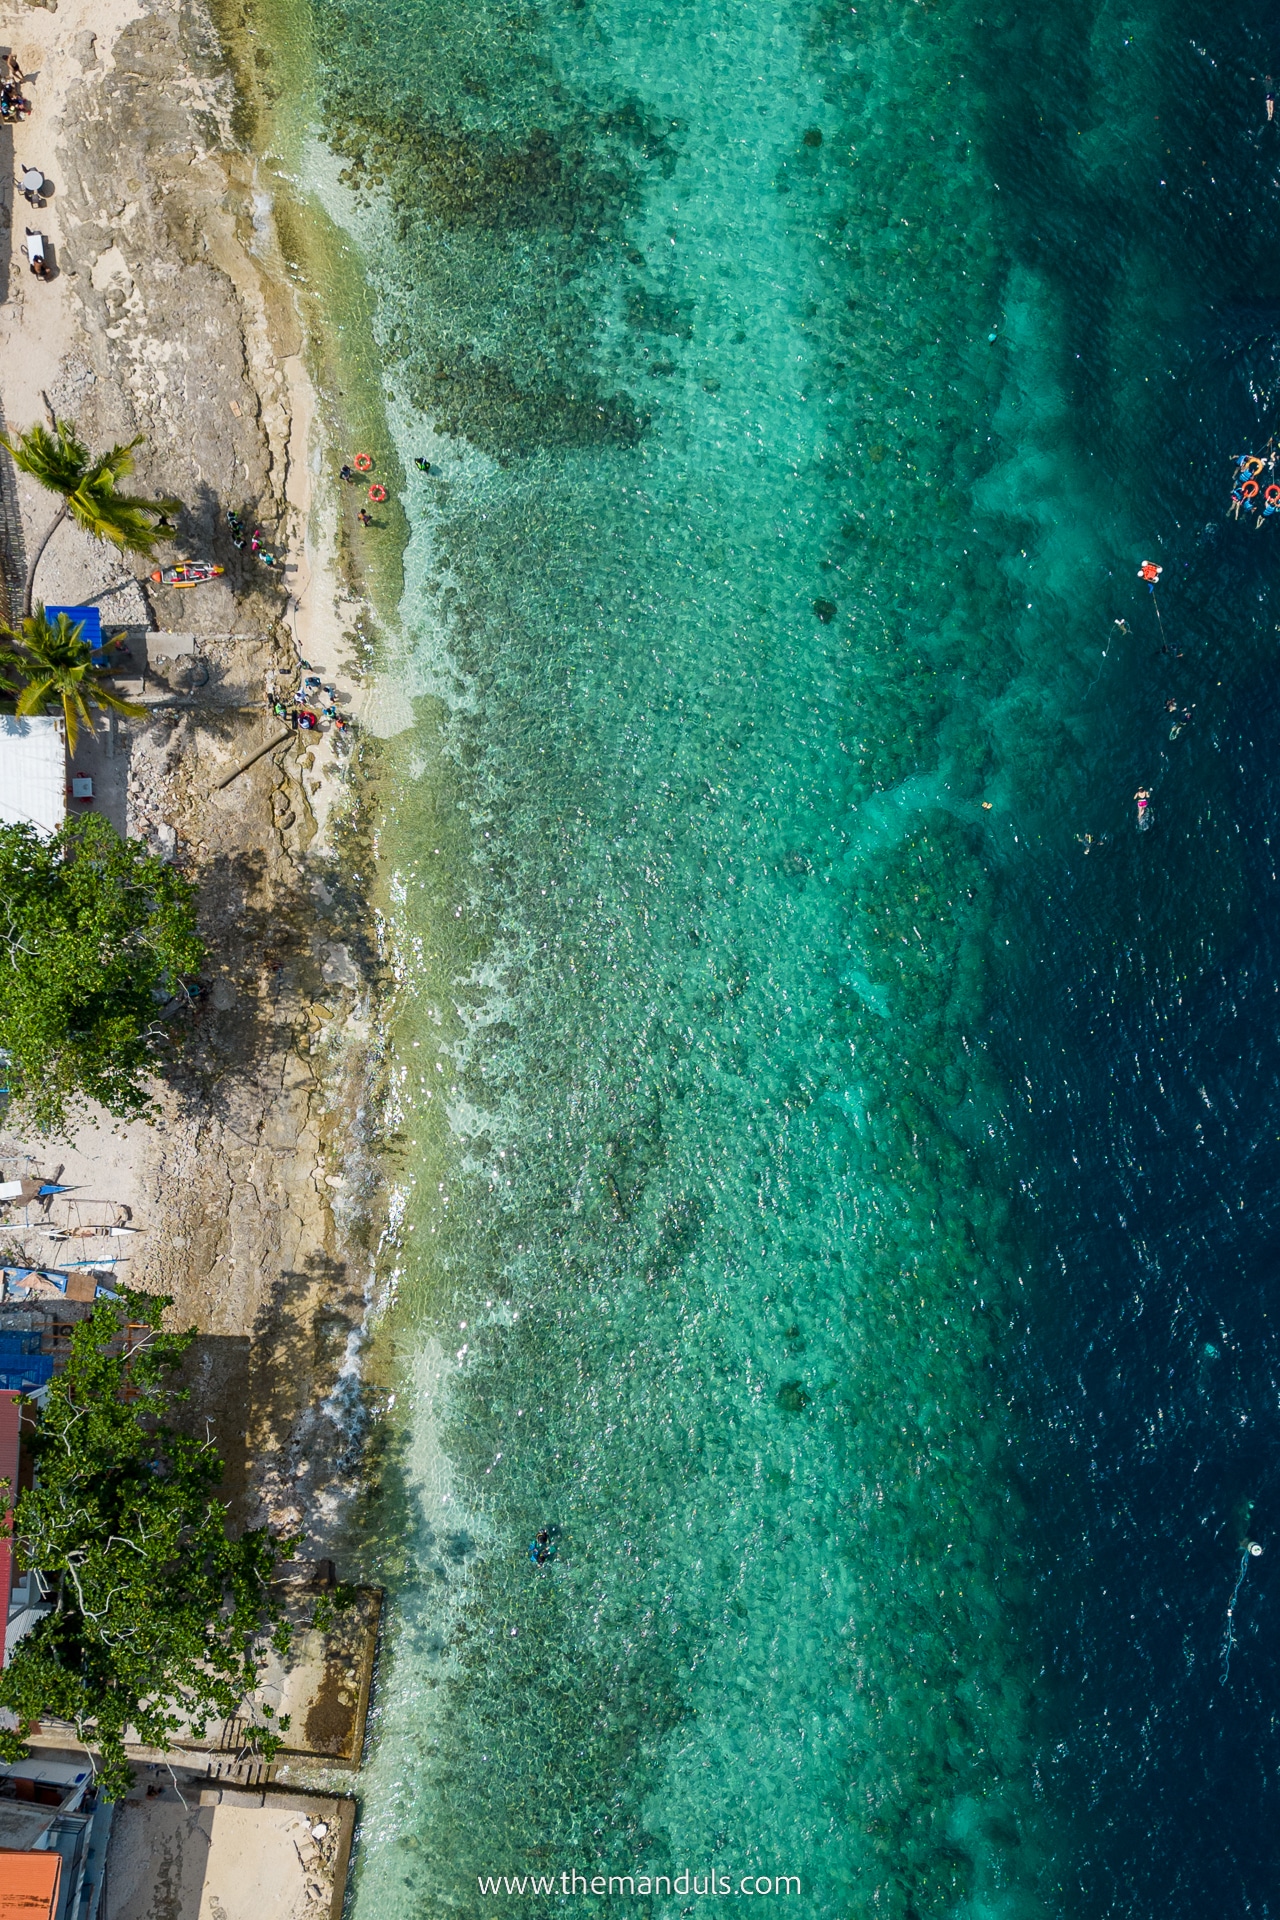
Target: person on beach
x,y
366,518
345,473
13,69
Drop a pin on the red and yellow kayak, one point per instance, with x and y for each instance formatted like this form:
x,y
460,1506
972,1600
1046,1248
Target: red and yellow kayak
x,y
191,573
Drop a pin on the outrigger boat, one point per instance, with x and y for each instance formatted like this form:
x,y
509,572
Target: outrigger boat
x,y
191,573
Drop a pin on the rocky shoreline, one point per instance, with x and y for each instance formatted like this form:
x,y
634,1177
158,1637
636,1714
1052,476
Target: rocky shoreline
x,y
171,316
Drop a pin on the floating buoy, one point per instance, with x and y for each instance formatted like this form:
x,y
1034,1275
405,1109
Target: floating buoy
x,y
1249,491
1150,571
363,463
1255,1549
1273,496
377,493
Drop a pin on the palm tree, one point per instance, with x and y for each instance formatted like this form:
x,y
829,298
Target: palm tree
x,y
87,483
59,666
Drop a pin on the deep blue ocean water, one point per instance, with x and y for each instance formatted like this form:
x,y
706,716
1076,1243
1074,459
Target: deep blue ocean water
x,y
838,1147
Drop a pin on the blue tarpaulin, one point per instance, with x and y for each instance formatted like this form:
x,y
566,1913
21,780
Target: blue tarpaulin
x,y
91,617
22,1365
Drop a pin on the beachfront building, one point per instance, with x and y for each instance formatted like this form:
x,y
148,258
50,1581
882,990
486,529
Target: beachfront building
x,y
34,783
33,771
24,1369
53,1838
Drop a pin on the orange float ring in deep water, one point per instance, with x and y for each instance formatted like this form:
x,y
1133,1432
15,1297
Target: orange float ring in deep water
x,y
380,493
1249,490
1273,496
363,463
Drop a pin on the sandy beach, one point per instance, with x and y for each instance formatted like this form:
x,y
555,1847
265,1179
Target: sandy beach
x,y
170,317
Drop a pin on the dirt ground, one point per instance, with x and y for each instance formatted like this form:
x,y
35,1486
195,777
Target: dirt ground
x,y
181,1849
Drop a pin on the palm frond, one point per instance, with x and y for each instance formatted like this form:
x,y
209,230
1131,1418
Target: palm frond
x,y
89,486
60,667
57,460
105,697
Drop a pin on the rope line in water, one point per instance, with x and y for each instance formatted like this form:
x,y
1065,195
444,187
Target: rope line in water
x,y
1230,1640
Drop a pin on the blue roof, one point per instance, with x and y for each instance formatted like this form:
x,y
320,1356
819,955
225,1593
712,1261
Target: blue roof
x,y
91,617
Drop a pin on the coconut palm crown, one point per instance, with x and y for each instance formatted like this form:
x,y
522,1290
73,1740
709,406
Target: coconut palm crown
x,y
58,665
88,483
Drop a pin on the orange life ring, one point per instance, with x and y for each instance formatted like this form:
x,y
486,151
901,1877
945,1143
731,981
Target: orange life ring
x,y
1273,496
1249,490
363,463
1254,464
380,493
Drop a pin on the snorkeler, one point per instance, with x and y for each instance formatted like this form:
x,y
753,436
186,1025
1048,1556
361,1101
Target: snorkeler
x,y
1143,799
541,1547
423,466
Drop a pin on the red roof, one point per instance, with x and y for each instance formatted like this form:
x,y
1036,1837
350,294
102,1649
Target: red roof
x,y
29,1884
10,1418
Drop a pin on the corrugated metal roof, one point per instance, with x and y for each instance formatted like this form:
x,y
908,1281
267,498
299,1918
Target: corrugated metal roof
x,y
29,1885
33,771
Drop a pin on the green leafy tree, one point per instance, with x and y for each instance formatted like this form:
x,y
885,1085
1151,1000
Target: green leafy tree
x,y
92,928
60,670
89,484
160,1618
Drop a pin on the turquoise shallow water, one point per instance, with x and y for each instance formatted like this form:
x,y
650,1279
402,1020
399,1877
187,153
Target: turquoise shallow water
x,y
786,374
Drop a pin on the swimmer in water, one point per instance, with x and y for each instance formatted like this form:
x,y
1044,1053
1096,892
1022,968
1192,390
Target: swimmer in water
x,y
540,1547
1143,799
